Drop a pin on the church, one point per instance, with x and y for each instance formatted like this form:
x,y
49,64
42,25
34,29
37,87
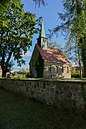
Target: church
x,y
48,62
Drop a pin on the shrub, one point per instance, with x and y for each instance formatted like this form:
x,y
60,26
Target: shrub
x,y
29,75
75,73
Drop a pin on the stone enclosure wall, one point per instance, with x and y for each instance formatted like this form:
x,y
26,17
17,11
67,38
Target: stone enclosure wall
x,y
69,95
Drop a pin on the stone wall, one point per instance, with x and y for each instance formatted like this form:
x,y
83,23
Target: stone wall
x,y
69,95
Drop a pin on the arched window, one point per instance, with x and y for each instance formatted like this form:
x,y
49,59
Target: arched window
x,y
57,69
50,68
62,69
53,69
67,69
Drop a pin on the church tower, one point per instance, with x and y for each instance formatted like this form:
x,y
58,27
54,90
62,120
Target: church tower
x,y
42,40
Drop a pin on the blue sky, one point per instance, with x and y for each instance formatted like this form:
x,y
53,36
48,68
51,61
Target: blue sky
x,y
50,18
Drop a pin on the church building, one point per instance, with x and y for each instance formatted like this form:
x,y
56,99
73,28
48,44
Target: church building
x,y
48,62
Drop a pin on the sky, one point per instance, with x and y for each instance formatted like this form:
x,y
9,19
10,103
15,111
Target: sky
x,y
50,18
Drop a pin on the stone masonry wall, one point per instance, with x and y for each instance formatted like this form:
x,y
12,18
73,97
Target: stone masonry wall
x,y
58,70
69,95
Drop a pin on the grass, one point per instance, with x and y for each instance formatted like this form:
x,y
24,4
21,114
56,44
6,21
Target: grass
x,y
20,113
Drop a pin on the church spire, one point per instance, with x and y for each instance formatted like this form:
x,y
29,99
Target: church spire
x,y
42,31
42,40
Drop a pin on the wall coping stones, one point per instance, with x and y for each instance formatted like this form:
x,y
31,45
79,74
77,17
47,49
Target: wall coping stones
x,y
46,80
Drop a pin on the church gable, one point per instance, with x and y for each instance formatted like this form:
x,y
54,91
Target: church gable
x,y
33,61
36,63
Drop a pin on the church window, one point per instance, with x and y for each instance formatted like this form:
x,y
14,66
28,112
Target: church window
x,y
57,69
67,69
62,69
50,68
53,69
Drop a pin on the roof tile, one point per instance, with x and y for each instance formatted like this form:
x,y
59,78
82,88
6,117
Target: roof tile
x,y
53,54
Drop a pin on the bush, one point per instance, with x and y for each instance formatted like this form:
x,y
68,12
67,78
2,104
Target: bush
x,y
75,73
16,75
29,75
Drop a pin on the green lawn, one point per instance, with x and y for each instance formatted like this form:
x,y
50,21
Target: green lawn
x,y
20,113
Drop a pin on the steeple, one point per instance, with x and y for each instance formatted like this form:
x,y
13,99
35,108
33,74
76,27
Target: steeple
x,y
42,31
42,40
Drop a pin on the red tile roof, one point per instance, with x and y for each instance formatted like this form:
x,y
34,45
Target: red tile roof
x,y
53,54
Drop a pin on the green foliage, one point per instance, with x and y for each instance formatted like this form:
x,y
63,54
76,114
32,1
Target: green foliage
x,y
24,71
14,74
75,73
22,74
39,2
74,26
17,75
74,14
5,3
29,75
16,35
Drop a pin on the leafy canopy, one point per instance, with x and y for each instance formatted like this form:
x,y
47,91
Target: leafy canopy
x,y
16,35
73,24
5,3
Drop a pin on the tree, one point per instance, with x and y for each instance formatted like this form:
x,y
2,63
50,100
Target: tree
x,y
15,36
5,3
74,25
75,73
39,2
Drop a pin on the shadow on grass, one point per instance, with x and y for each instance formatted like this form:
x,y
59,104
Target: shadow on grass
x,y
20,113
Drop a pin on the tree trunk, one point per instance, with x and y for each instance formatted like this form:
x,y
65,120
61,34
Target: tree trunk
x,y
85,69
3,73
84,60
80,63
80,68
83,54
